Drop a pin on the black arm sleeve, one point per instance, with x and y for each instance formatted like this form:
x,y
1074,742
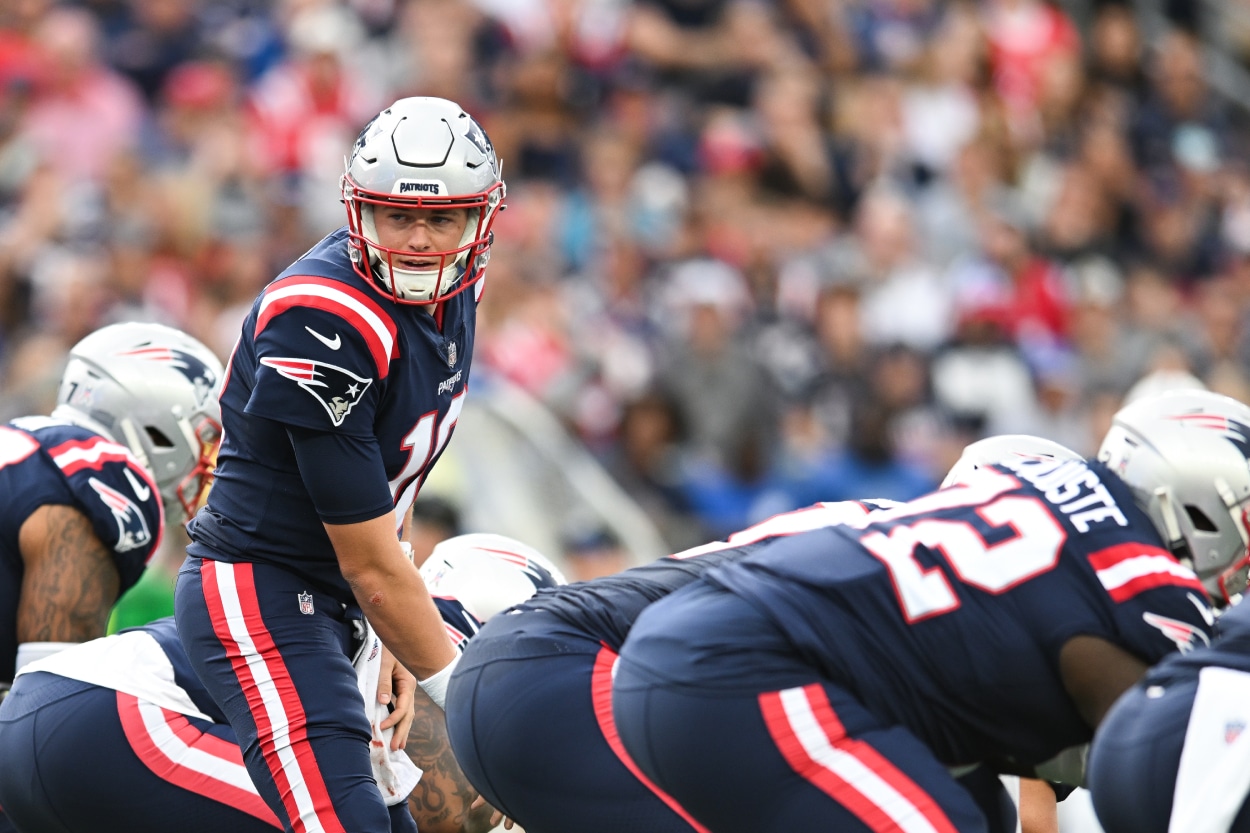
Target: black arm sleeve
x,y
344,475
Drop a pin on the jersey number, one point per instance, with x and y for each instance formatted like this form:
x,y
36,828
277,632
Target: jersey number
x,y
15,446
423,443
1032,549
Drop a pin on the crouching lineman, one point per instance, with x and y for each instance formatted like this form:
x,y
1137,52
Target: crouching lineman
x,y
529,709
993,621
1173,753
119,735
88,490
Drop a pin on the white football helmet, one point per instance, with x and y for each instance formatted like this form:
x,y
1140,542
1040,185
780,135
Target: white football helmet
x,y
487,573
1186,457
153,389
1001,447
422,153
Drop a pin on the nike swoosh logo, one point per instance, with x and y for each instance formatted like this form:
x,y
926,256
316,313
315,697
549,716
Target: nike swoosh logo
x,y
333,343
141,491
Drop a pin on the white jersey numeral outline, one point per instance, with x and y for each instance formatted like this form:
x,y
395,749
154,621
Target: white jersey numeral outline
x,y
1033,549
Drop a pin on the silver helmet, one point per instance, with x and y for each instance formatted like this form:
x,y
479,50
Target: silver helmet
x,y
425,153
1186,457
154,389
487,573
1001,447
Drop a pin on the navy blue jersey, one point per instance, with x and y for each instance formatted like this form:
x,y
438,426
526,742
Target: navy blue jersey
x,y
324,354
605,608
49,462
948,613
1229,649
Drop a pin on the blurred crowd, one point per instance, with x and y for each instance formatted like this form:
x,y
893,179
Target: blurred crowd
x,y
756,252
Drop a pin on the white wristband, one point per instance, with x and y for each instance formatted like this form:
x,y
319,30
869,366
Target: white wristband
x,y
436,686
29,652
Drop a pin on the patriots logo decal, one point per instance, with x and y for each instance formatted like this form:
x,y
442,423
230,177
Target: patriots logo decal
x,y
1185,636
1238,433
338,390
198,374
132,527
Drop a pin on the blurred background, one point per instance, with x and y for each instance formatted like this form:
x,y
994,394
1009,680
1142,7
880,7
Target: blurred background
x,y
756,254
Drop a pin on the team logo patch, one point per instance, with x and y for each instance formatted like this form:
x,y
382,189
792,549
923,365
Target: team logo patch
x,y
338,390
1185,636
200,375
132,527
306,605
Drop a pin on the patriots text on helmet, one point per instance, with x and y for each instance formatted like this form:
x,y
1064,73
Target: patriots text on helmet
x,y
422,148
419,186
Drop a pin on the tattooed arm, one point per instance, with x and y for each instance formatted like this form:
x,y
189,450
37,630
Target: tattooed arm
x,y
441,801
70,581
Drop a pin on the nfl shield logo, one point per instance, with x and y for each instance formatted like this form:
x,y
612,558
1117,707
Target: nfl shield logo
x,y
1233,730
305,604
451,354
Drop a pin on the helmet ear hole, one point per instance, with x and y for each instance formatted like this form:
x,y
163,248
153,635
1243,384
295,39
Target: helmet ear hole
x,y
158,437
1199,519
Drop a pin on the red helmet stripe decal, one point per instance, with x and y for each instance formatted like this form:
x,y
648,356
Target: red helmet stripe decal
x,y
350,304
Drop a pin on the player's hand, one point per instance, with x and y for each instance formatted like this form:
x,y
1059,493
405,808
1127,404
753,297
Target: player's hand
x,y
482,817
396,687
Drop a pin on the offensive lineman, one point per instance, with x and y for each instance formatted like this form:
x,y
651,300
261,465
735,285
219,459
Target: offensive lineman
x,y
89,489
85,733
341,393
1172,754
992,622
529,710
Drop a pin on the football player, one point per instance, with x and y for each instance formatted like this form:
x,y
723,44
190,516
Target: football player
x,y
342,391
87,491
119,734
832,678
1170,756
529,710
1173,753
